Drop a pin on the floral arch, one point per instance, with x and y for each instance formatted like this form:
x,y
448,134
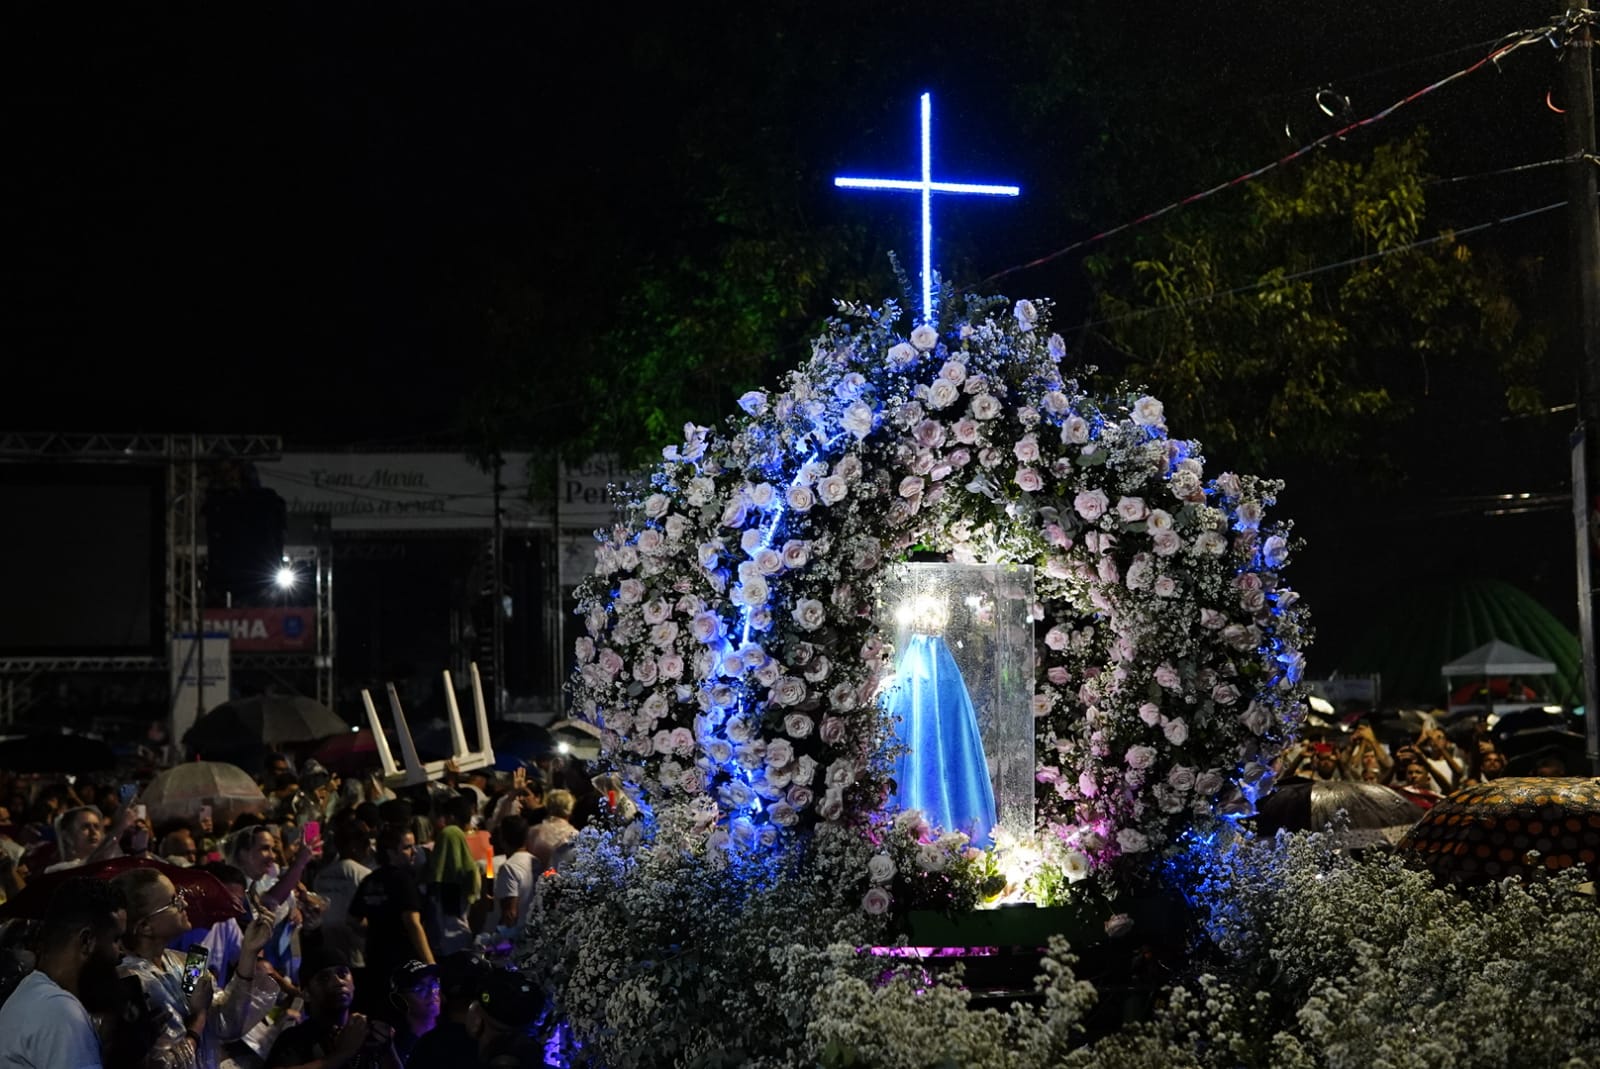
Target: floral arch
x,y
735,650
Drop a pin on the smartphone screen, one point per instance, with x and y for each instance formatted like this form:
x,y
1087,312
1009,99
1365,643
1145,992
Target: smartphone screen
x,y
140,812
127,792
313,831
194,967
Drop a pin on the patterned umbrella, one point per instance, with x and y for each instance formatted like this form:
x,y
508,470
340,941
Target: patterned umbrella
x,y
1510,827
180,791
206,901
267,719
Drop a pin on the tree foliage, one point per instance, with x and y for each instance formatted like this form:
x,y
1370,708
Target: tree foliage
x,y
1316,315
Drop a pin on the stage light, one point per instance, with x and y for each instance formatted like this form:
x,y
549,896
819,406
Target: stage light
x,y
285,578
562,747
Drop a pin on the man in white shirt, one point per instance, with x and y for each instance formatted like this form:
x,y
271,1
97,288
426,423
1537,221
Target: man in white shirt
x,y
514,877
45,1023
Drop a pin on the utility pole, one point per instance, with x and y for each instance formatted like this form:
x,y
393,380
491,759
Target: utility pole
x,y
1584,221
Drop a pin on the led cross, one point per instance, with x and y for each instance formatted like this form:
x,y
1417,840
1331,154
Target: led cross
x,y
927,187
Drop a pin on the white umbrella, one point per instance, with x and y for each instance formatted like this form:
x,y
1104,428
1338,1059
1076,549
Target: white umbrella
x,y
180,791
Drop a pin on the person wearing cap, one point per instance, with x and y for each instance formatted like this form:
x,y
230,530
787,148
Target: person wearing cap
x,y
495,1031
414,991
450,1045
507,1010
331,1037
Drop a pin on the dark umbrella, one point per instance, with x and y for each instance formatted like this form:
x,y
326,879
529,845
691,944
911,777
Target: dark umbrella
x,y
1534,748
206,901
266,720
57,753
1376,814
522,747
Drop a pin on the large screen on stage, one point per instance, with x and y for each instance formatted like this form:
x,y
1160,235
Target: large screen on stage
x,y
82,560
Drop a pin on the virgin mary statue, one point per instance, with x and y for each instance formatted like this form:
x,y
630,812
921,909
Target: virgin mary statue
x,y
942,770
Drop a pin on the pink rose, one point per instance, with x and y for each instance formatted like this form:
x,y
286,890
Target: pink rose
x,y
1058,675
1091,504
875,901
1026,449
1029,480
832,731
1140,757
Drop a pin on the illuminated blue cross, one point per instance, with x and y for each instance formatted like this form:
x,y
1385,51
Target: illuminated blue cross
x,y
927,187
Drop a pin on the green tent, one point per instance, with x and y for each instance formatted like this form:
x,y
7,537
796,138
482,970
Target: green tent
x,y
1411,645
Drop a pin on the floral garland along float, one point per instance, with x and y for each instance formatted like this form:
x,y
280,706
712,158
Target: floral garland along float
x,y
733,657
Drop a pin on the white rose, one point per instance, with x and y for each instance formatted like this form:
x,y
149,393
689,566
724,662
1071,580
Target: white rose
x,y
1131,509
942,394
985,406
880,868
1027,315
798,725
1091,504
800,498
769,561
656,505
630,591
761,495
931,859
789,690
1132,841
832,489
805,769
924,337
705,626
796,553
779,752
699,491
810,614
858,419
1147,412
754,402
751,593
900,355
1074,430
1075,865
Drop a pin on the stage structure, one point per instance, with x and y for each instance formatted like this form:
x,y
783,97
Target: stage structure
x,y
187,461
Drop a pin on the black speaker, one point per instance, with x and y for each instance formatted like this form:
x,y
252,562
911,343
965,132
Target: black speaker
x,y
244,542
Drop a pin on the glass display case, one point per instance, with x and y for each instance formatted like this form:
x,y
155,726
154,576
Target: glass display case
x,y
962,694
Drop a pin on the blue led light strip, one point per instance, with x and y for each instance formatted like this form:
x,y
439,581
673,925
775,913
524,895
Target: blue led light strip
x,y
927,187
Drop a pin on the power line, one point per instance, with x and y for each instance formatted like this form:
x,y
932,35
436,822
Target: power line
x,y
1526,38
1449,235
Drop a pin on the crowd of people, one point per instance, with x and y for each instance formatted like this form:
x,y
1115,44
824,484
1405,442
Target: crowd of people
x,y
370,928
1425,767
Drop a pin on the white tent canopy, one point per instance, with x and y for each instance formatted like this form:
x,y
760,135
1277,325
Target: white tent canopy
x,y
1496,658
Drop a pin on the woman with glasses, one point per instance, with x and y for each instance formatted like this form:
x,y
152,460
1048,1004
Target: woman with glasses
x,y
182,1029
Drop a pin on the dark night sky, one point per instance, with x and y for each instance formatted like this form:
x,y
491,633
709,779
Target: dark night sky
x,y
243,217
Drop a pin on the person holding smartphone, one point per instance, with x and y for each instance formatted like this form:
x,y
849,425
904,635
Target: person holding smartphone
x,y
189,1020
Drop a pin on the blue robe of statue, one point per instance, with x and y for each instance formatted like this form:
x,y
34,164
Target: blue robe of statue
x,y
943,772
